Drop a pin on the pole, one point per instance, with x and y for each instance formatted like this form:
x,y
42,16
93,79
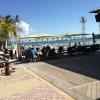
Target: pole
x,y
83,20
17,36
99,27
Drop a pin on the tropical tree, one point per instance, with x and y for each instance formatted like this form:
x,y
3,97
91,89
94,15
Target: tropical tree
x,y
7,28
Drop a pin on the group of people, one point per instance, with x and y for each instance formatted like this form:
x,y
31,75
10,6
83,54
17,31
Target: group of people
x,y
77,48
45,52
37,54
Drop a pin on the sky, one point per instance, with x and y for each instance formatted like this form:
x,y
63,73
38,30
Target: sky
x,y
53,16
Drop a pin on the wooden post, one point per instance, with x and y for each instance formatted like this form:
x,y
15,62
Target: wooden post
x,y
7,72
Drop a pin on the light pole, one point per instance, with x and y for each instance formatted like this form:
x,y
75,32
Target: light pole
x,y
17,35
83,21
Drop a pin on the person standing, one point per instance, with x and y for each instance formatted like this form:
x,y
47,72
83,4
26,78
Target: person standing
x,y
33,54
11,54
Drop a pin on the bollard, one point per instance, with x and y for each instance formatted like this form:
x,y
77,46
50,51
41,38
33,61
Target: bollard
x,y
7,71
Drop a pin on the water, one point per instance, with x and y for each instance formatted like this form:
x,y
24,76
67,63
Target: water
x,y
88,41
55,43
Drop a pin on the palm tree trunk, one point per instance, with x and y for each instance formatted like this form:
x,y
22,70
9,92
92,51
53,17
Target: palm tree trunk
x,y
0,45
6,42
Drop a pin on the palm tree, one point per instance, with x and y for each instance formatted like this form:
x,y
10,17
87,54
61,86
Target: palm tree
x,y
7,28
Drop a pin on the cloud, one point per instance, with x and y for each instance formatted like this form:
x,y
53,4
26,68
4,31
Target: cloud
x,y
23,28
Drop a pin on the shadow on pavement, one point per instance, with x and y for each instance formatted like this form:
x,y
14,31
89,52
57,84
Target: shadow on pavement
x,y
88,65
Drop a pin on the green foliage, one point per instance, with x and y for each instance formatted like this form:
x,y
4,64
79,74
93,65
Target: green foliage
x,y
7,27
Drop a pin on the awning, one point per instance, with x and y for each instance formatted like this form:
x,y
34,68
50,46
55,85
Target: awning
x,y
39,35
74,34
96,10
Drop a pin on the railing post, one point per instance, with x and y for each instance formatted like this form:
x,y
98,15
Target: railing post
x,y
7,72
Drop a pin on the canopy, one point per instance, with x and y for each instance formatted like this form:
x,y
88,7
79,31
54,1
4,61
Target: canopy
x,y
74,34
96,10
41,35
68,34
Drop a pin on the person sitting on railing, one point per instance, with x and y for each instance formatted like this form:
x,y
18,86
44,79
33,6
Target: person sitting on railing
x,y
52,54
74,48
75,45
79,47
69,49
47,50
38,54
43,50
94,47
61,50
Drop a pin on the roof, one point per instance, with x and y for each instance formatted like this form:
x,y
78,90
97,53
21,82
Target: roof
x,y
96,10
40,35
73,34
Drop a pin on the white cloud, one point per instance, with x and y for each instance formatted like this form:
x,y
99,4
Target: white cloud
x,y
22,28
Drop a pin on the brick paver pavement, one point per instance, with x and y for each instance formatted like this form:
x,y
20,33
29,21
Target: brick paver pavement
x,y
25,85
79,74
41,93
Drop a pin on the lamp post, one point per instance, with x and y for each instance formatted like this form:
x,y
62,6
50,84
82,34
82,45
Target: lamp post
x,y
83,21
17,35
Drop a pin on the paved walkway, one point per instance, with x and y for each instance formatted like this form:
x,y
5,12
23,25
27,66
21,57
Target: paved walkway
x,y
91,89
79,75
25,85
